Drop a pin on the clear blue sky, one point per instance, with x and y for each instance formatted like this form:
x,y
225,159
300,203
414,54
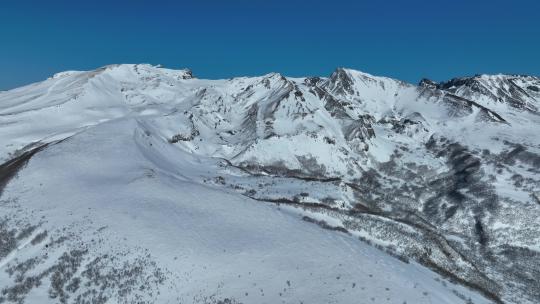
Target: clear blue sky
x,y
403,39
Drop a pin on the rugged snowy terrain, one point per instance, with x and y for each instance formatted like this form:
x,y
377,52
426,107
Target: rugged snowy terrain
x,y
134,183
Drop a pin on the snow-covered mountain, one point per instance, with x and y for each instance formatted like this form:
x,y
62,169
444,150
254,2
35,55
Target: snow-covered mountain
x,y
134,183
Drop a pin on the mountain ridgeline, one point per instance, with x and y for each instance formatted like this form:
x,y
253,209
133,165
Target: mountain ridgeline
x,y
446,175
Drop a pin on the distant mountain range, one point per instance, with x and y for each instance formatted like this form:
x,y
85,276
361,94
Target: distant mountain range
x,y
135,183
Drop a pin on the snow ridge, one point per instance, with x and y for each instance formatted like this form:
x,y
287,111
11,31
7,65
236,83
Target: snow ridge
x,y
443,176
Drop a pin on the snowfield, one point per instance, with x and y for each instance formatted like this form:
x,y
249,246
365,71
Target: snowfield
x,y
139,184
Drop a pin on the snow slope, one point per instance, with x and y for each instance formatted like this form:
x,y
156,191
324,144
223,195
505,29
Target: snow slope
x,y
152,185
117,203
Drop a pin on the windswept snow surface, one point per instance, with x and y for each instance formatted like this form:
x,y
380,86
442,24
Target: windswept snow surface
x,y
153,186
120,199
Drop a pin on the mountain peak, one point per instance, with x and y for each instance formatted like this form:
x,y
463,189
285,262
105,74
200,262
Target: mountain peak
x,y
410,170
520,92
342,80
425,82
352,73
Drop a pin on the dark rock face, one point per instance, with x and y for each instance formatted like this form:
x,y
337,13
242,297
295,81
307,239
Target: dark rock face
x,y
340,82
463,81
9,169
428,83
361,128
188,74
533,88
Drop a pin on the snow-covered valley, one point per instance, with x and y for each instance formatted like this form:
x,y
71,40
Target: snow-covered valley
x,y
134,183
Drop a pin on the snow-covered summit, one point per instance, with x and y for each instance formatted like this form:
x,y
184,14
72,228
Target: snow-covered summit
x,y
517,91
443,175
